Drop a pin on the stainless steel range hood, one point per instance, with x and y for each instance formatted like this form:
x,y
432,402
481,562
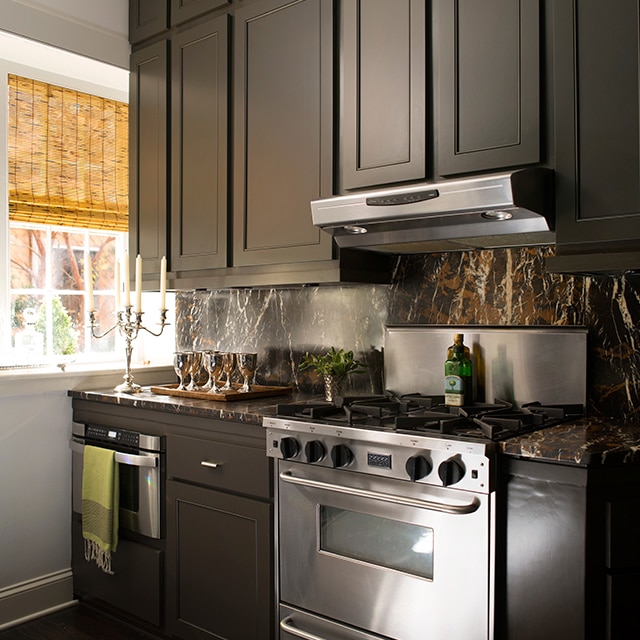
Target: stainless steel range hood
x,y
501,210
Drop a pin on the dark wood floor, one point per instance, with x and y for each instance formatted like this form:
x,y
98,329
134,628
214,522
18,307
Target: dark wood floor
x,y
79,622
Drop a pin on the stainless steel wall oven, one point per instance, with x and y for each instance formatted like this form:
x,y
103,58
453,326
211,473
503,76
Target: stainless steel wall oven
x,y
140,461
136,585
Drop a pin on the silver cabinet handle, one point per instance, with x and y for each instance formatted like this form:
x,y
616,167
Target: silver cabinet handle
x,y
286,626
211,465
470,507
130,459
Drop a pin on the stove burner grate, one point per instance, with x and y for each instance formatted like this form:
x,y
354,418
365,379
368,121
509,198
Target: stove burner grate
x,y
428,415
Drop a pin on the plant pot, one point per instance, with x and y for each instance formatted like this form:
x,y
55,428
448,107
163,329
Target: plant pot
x,y
334,386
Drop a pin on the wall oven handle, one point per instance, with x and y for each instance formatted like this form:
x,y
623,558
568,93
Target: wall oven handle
x,y
129,459
470,507
287,627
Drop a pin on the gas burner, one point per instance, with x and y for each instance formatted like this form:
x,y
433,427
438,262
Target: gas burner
x,y
427,415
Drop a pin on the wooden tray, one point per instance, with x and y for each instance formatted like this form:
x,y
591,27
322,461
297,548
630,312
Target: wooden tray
x,y
257,391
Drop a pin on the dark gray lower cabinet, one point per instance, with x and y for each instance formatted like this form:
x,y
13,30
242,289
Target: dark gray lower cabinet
x,y
218,569
136,584
219,541
569,565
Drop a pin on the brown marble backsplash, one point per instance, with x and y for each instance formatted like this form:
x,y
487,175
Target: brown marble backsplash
x,y
500,287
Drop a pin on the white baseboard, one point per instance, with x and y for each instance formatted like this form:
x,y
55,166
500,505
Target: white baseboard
x,y
34,598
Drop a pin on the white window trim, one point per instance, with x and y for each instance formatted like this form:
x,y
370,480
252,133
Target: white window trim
x,y
39,61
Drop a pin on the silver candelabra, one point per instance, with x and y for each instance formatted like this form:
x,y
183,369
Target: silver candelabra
x,y
129,323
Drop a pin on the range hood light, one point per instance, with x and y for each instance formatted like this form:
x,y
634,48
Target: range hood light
x,y
497,215
354,229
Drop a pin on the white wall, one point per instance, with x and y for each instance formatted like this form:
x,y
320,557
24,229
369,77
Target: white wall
x,y
97,29
35,481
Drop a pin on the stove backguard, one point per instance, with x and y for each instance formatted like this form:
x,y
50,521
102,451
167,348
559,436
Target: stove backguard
x,y
515,364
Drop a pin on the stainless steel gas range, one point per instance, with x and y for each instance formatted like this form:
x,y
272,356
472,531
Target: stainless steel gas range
x,y
386,511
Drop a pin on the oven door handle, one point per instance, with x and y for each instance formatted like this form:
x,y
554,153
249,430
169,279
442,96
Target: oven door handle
x,y
129,459
469,507
287,627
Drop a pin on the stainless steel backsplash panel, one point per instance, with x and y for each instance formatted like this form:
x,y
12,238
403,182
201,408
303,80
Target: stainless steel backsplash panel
x,y
516,364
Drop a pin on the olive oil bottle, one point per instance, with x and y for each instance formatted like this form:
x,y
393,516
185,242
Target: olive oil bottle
x,y
458,375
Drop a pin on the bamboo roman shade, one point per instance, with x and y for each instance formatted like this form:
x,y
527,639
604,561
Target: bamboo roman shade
x,y
67,156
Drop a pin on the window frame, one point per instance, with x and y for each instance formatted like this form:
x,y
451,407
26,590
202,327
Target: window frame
x,y
45,63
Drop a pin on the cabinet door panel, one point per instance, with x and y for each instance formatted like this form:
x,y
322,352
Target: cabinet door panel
x,y
282,130
219,566
383,92
146,18
148,156
597,113
487,83
199,146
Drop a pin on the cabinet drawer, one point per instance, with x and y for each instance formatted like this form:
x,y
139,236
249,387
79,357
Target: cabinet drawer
x,y
224,466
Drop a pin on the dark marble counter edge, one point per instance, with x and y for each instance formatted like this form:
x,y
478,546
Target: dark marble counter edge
x,y
247,411
585,442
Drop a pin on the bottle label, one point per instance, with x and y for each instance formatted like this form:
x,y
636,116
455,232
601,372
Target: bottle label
x,y
453,391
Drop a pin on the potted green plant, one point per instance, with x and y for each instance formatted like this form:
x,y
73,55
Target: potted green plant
x,y
333,366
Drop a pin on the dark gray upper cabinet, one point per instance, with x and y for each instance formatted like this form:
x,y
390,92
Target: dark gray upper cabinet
x,y
148,155
383,127
486,58
282,130
147,18
199,96
597,113
183,10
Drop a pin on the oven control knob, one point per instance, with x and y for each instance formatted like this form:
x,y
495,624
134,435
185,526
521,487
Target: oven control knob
x,y
418,467
289,448
341,455
314,451
451,471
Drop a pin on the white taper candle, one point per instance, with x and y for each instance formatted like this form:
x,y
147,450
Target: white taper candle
x,y
117,283
138,308
163,283
125,277
89,284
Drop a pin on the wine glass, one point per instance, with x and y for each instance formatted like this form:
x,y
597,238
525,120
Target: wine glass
x,y
205,369
195,364
228,365
213,362
247,364
181,366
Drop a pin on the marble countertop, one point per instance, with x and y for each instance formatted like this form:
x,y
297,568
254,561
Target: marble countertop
x,y
588,441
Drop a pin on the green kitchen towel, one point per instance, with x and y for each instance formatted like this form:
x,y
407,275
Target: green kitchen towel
x,y
100,492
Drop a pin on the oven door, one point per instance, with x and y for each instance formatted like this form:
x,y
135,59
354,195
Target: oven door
x,y
140,489
395,558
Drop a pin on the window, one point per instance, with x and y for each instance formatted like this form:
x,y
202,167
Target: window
x,y
67,160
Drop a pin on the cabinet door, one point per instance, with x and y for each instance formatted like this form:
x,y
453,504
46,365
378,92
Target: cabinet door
x,y
487,84
199,80
283,130
148,156
219,576
182,10
383,98
598,127
146,19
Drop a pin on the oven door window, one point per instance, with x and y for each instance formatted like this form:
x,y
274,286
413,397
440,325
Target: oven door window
x,y
129,493
387,543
